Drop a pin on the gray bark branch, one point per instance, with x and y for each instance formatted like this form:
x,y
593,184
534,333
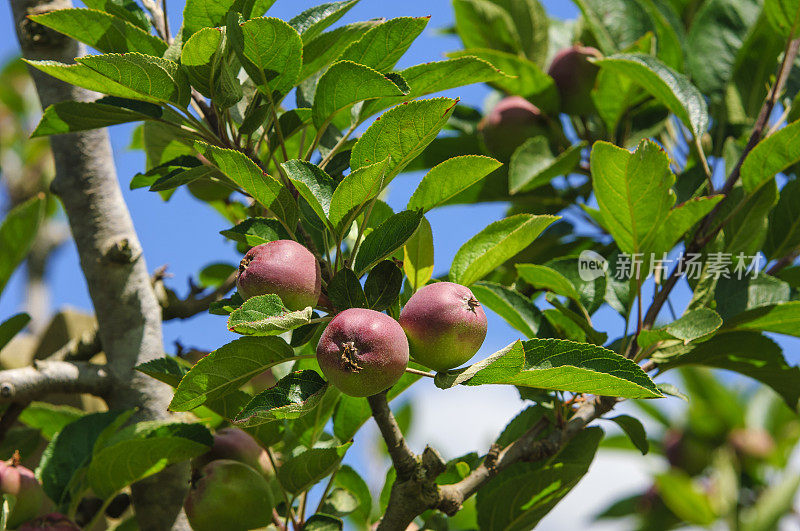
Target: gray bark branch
x,y
47,377
128,314
417,491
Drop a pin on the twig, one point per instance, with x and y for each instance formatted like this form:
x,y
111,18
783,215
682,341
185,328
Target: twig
x,y
421,373
527,447
174,308
404,460
46,377
10,416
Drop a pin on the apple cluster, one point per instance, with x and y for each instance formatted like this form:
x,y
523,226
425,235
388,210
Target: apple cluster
x,y
361,351
514,119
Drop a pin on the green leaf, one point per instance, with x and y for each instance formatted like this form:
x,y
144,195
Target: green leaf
x,y
634,430
387,238
315,20
401,133
747,227
382,287
354,191
226,369
323,522
634,192
681,219
152,77
521,495
262,187
207,67
494,245
748,353
778,318
593,19
125,462
546,278
775,502
348,479
771,156
313,184
71,116
532,25
295,395
560,365
265,315
683,498
715,40
168,369
255,231
303,470
517,76
17,233
82,76
345,291
733,296
69,452
125,9
49,419
484,24
12,326
783,235
692,326
418,255
515,308
672,89
533,164
180,177
448,179
101,31
346,83
784,15
271,52
429,78
199,14
214,275
327,47
383,45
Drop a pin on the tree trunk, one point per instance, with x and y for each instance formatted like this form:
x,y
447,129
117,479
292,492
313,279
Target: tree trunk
x,y
128,313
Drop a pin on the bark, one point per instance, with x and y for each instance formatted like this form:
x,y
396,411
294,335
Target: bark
x,y
128,314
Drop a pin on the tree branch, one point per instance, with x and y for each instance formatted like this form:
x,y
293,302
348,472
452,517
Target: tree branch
x,y
128,314
527,448
415,489
47,377
403,459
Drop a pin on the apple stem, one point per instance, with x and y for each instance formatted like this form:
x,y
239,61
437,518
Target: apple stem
x,y
421,373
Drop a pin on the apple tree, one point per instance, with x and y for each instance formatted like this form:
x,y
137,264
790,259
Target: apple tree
x,y
648,145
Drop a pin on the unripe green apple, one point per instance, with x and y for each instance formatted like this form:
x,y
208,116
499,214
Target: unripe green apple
x,y
282,267
512,121
362,352
575,75
50,522
445,325
229,495
21,483
237,445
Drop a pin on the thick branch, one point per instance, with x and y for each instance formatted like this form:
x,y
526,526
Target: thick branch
x,y
128,314
47,377
403,459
